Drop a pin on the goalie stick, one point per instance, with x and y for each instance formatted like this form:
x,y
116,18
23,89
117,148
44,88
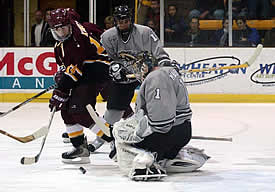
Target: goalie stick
x,y
37,134
31,160
212,138
248,63
106,129
2,114
103,127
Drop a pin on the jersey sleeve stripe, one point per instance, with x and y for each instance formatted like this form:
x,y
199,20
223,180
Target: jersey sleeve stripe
x,y
96,60
162,122
99,48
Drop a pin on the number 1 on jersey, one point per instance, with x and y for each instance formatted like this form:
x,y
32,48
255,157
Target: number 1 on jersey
x,y
157,95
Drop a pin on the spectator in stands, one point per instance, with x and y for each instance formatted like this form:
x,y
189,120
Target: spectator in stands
x,y
154,13
272,9
151,24
246,36
36,30
220,37
269,38
47,39
174,24
239,8
108,22
194,36
143,6
258,9
208,9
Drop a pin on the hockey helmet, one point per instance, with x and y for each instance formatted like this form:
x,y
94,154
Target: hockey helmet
x,y
122,13
60,20
144,64
62,16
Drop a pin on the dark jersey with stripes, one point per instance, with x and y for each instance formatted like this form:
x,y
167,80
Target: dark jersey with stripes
x,y
82,55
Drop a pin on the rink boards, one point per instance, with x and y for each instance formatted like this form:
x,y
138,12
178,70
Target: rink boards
x,y
25,72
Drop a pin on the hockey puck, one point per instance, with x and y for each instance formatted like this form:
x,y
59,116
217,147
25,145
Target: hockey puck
x,y
82,170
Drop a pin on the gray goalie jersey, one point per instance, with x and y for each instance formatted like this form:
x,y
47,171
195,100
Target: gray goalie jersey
x,y
141,39
164,98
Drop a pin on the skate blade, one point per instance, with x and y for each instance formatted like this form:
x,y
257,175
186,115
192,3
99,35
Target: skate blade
x,y
155,177
66,140
78,160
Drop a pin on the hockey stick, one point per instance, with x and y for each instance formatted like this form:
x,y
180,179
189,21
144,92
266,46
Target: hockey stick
x,y
248,63
106,129
37,134
97,121
2,114
212,138
31,160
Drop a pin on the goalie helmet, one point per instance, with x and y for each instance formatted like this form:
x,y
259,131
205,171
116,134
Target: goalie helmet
x,y
123,16
143,65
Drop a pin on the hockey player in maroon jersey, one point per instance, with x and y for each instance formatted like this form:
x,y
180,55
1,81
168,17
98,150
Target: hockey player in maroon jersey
x,y
84,72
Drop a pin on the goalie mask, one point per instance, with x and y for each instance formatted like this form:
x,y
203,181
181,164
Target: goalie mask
x,y
143,65
123,21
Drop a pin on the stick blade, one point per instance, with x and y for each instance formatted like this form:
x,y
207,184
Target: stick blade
x,y
40,132
2,114
99,123
28,160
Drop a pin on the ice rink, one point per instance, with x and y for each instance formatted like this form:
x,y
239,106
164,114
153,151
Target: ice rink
x,y
245,165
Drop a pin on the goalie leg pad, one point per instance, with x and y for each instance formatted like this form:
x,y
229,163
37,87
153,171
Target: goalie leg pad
x,y
138,164
188,159
125,156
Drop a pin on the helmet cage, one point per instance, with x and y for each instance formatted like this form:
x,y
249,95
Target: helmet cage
x,y
59,36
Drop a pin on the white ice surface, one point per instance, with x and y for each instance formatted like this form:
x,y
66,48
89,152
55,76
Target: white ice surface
x,y
245,165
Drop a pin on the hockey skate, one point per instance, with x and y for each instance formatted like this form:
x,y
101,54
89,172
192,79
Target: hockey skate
x,y
66,138
79,155
97,143
154,173
113,153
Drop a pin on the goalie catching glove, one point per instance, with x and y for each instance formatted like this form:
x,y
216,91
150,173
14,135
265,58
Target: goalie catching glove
x,y
133,129
117,72
58,99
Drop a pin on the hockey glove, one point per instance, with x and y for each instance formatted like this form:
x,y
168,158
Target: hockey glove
x,y
59,74
133,129
117,72
58,99
176,65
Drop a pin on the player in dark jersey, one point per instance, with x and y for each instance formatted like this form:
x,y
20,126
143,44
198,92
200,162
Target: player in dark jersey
x,y
84,72
157,133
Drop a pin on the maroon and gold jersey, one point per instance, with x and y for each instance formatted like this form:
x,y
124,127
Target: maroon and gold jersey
x,y
82,55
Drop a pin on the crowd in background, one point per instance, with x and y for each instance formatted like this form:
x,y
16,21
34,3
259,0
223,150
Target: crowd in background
x,y
182,22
